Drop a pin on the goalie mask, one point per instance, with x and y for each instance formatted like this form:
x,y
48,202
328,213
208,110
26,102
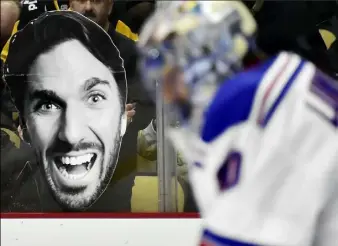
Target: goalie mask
x,y
190,48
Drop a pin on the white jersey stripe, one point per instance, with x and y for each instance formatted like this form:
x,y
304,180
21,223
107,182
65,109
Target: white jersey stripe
x,y
277,85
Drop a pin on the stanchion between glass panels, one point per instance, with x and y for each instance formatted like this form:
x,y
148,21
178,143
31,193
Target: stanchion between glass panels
x,y
166,157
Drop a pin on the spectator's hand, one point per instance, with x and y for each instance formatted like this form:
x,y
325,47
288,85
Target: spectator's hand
x,y
130,108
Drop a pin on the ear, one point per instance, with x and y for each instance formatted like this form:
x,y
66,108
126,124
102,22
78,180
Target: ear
x,y
23,133
22,129
124,123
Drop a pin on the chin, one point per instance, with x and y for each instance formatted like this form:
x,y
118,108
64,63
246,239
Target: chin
x,y
76,202
77,182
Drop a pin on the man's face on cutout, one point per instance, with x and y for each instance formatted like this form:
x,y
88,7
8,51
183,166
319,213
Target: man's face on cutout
x,y
73,116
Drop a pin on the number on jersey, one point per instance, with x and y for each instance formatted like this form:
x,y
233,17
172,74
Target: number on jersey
x,y
229,173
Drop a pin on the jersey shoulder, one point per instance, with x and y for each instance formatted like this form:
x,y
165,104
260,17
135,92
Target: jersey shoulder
x,y
259,91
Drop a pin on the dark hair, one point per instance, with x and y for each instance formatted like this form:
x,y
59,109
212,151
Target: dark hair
x,y
49,30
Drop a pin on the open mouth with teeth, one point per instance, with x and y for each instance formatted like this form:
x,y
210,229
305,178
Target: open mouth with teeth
x,y
75,167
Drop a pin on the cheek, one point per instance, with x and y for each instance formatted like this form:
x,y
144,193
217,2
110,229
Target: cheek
x,y
76,7
42,131
105,121
105,124
102,11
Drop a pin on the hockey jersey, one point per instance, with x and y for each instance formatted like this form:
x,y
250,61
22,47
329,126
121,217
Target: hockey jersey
x,y
265,171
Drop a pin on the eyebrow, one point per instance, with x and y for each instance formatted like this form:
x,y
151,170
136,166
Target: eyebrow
x,y
49,95
94,81
46,95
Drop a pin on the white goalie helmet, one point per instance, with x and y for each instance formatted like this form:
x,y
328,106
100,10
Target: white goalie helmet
x,y
191,47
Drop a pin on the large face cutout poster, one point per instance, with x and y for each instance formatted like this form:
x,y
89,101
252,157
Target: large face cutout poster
x,y
63,118
68,142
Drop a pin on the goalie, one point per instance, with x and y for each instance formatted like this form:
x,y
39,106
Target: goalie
x,y
259,134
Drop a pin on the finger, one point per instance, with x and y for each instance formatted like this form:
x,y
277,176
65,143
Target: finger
x,y
131,113
130,106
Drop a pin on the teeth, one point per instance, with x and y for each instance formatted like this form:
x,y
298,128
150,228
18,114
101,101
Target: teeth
x,y
71,176
73,160
62,169
89,166
78,160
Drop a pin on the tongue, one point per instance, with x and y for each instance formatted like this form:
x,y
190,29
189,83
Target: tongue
x,y
76,170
